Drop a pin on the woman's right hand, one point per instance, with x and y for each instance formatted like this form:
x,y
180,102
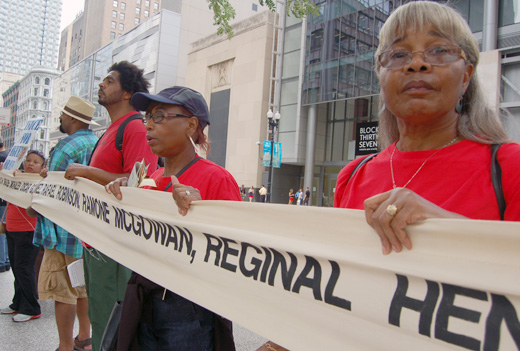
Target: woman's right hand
x,y
114,187
44,171
408,208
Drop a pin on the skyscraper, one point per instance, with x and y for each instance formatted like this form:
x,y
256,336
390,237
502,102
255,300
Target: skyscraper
x,y
30,34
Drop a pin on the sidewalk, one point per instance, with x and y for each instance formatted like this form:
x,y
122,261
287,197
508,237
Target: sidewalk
x,y
41,334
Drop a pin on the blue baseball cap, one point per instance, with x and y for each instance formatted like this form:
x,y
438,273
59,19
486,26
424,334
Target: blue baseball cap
x,y
191,100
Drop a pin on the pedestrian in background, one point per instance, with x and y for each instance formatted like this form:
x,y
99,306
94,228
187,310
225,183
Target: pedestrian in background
x,y
251,193
263,193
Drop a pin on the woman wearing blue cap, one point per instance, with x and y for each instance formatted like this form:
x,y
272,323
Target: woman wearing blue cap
x,y
175,119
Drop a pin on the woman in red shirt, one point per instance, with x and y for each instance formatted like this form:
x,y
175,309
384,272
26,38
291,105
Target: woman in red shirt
x,y
436,131
175,120
22,252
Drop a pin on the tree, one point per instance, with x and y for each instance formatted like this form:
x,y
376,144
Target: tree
x,y
223,11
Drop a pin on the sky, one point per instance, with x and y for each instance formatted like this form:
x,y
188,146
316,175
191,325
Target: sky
x,y
69,10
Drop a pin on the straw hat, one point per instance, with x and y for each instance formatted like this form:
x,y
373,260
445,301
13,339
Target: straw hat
x,y
80,109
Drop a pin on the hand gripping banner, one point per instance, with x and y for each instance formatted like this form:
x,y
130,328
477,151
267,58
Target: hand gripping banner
x,y
308,278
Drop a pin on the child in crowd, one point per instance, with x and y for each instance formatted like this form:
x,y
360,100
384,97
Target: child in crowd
x,y
22,252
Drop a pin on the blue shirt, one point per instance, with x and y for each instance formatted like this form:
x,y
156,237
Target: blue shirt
x,y
76,148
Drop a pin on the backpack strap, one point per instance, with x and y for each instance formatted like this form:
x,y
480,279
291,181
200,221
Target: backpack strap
x,y
182,171
496,179
119,136
94,149
360,164
121,133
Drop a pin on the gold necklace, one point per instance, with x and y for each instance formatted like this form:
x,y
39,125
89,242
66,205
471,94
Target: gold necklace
x,y
409,180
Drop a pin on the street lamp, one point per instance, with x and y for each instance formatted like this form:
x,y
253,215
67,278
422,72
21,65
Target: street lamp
x,y
272,120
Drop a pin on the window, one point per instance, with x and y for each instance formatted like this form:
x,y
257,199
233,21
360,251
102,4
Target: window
x,y
35,106
35,91
114,14
136,21
121,26
113,25
146,13
137,10
37,80
123,6
255,7
155,6
147,3
112,35
122,16
138,2
114,3
46,93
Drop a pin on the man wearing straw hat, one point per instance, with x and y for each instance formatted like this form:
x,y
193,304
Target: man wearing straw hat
x,y
61,247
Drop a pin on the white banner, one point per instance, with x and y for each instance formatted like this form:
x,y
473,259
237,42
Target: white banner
x,y
308,278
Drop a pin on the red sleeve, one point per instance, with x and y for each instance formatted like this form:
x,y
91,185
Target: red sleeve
x,y
508,156
135,148
17,219
343,179
225,189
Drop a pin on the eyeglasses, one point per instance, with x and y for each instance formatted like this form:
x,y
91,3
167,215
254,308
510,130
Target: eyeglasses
x,y
159,116
436,55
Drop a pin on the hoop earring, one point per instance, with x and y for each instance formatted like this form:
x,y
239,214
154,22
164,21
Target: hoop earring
x,y
193,143
458,107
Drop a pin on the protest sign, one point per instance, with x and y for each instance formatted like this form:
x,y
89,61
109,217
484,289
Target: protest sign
x,y
17,152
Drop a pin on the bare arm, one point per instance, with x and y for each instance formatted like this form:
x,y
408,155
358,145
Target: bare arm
x,y
95,174
31,212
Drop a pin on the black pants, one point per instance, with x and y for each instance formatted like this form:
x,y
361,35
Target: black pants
x,y
22,254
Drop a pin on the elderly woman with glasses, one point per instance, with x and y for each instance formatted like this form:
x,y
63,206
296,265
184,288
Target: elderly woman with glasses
x,y
436,132
159,319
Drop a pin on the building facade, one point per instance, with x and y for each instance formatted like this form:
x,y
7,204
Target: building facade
x,y
233,75
10,101
159,44
30,34
34,101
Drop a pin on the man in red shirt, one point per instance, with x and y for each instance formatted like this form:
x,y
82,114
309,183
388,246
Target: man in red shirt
x,y
106,279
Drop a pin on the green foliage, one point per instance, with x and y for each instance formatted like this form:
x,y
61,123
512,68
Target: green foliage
x,y
223,12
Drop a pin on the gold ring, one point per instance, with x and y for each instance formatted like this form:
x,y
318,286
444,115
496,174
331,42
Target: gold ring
x,y
188,193
391,209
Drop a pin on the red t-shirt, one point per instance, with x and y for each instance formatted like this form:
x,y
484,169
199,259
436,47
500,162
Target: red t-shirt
x,y
213,181
108,158
17,220
457,178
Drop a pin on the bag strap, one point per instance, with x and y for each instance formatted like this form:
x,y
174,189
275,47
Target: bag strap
x,y
182,171
119,136
496,179
360,164
121,133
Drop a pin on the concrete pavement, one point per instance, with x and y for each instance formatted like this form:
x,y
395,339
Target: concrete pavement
x,y
41,334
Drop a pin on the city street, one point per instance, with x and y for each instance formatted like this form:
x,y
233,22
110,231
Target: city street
x,y
41,334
